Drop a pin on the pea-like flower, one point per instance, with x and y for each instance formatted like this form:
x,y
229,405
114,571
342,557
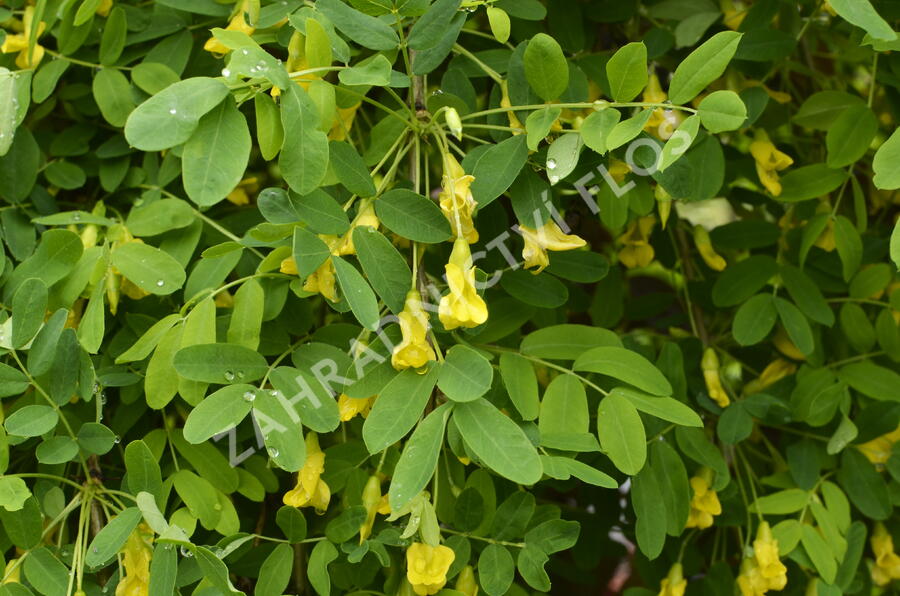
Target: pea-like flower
x,y
137,553
413,350
466,583
19,42
636,249
674,583
769,161
456,199
774,372
372,500
887,563
710,366
462,306
714,260
237,23
704,503
427,566
350,407
764,570
365,217
311,490
547,237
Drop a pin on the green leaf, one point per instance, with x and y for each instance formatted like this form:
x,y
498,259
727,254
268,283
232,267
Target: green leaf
x,y
216,155
596,128
304,156
849,246
796,325
112,42
31,421
863,15
350,168
886,165
650,528
742,280
358,293
621,433
322,554
849,137
546,68
112,92
275,573
538,125
809,182
807,295
247,315
864,485
496,168
281,430
754,320
13,493
562,156
627,130
112,537
219,412
163,570
147,342
497,441
371,71
624,365
46,573
542,290
309,251
500,25
564,409
149,268
722,110
521,384
159,217
871,380
96,438
627,71
679,143
269,130
383,265
143,469
397,408
56,450
703,66
220,363
419,458
665,408
412,216
496,570
170,117
465,374
427,30
28,307
365,30
8,119
819,552
322,213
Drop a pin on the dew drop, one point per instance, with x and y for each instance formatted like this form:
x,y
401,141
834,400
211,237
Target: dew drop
x,y
240,374
273,452
273,392
554,179
229,376
117,440
160,283
173,111
217,507
262,66
95,549
245,51
226,73
76,217
249,396
551,164
185,552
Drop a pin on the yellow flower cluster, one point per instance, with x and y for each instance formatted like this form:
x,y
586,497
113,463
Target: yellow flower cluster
x,y
462,306
413,351
710,366
427,566
311,490
887,563
763,571
704,503
769,161
137,553
674,584
547,237
19,42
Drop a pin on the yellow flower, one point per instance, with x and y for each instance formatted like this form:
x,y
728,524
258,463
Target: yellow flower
x,y
465,582
413,350
704,246
514,122
774,372
462,306
763,571
637,250
237,23
674,584
365,217
878,450
704,503
19,42
887,563
547,237
343,122
288,266
310,490
104,7
240,195
456,199
662,122
371,500
710,366
349,407
769,161
426,567
733,15
13,572
136,562
322,281
826,240
783,343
